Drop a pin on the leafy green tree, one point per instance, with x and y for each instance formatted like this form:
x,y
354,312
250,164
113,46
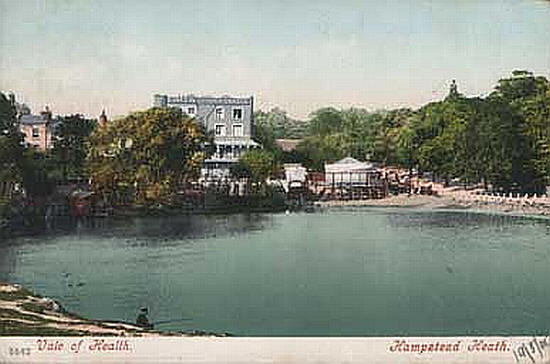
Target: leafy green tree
x,y
11,150
71,144
528,96
39,175
335,134
278,124
256,164
357,130
320,149
149,152
523,84
386,134
325,121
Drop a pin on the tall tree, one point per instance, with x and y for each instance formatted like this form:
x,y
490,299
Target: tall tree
x,y
11,150
325,121
256,164
71,144
529,97
386,135
279,124
152,151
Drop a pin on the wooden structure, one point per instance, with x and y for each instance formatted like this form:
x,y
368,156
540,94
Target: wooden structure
x,y
350,179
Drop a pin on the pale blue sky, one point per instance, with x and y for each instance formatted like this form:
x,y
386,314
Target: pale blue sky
x,y
82,56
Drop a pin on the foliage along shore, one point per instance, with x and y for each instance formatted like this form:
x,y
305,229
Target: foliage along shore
x,y
24,313
500,140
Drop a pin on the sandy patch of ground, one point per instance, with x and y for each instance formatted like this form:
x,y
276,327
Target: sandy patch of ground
x,y
454,198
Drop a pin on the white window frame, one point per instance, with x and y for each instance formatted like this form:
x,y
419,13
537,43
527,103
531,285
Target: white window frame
x,y
239,125
221,115
186,109
37,134
233,113
223,128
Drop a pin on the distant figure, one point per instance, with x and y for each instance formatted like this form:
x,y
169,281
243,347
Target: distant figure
x,y
142,319
453,90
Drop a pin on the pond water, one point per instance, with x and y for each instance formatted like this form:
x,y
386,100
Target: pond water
x,y
346,272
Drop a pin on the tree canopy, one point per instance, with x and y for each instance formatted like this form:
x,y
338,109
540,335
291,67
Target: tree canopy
x,y
11,149
502,140
71,144
256,164
151,152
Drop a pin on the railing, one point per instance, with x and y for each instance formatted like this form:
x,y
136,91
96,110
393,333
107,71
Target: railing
x,y
501,198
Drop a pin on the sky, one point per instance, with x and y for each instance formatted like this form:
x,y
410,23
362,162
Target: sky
x,y
82,56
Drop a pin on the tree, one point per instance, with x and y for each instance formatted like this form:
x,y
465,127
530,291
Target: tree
x,y
149,152
255,164
325,121
523,84
71,143
11,149
278,124
528,96
320,149
335,134
38,172
386,134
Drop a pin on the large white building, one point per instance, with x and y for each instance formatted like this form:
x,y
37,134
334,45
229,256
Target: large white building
x,y
230,119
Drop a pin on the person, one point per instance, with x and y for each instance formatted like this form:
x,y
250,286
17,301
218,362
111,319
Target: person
x,y
142,319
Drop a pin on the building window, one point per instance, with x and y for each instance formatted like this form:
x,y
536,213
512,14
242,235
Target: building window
x,y
237,114
191,110
219,113
238,130
220,130
35,133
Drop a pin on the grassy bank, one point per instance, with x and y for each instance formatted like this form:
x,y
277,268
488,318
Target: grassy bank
x,y
23,313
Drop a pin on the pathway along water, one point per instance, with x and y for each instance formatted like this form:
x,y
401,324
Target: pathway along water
x,y
342,272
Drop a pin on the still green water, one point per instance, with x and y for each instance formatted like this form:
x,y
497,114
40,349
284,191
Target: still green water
x,y
342,272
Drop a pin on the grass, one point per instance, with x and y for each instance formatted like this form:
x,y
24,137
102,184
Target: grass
x,y
27,306
38,326
15,328
11,314
16,295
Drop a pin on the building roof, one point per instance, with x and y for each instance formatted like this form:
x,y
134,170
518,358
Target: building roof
x,y
348,160
349,165
30,119
287,145
206,100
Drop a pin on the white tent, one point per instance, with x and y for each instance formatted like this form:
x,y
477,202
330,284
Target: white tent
x,y
349,170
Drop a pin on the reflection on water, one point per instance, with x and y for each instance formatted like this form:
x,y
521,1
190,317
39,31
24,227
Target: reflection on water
x,y
341,272
163,228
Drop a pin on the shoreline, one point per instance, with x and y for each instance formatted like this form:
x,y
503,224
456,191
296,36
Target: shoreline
x,y
448,201
24,313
